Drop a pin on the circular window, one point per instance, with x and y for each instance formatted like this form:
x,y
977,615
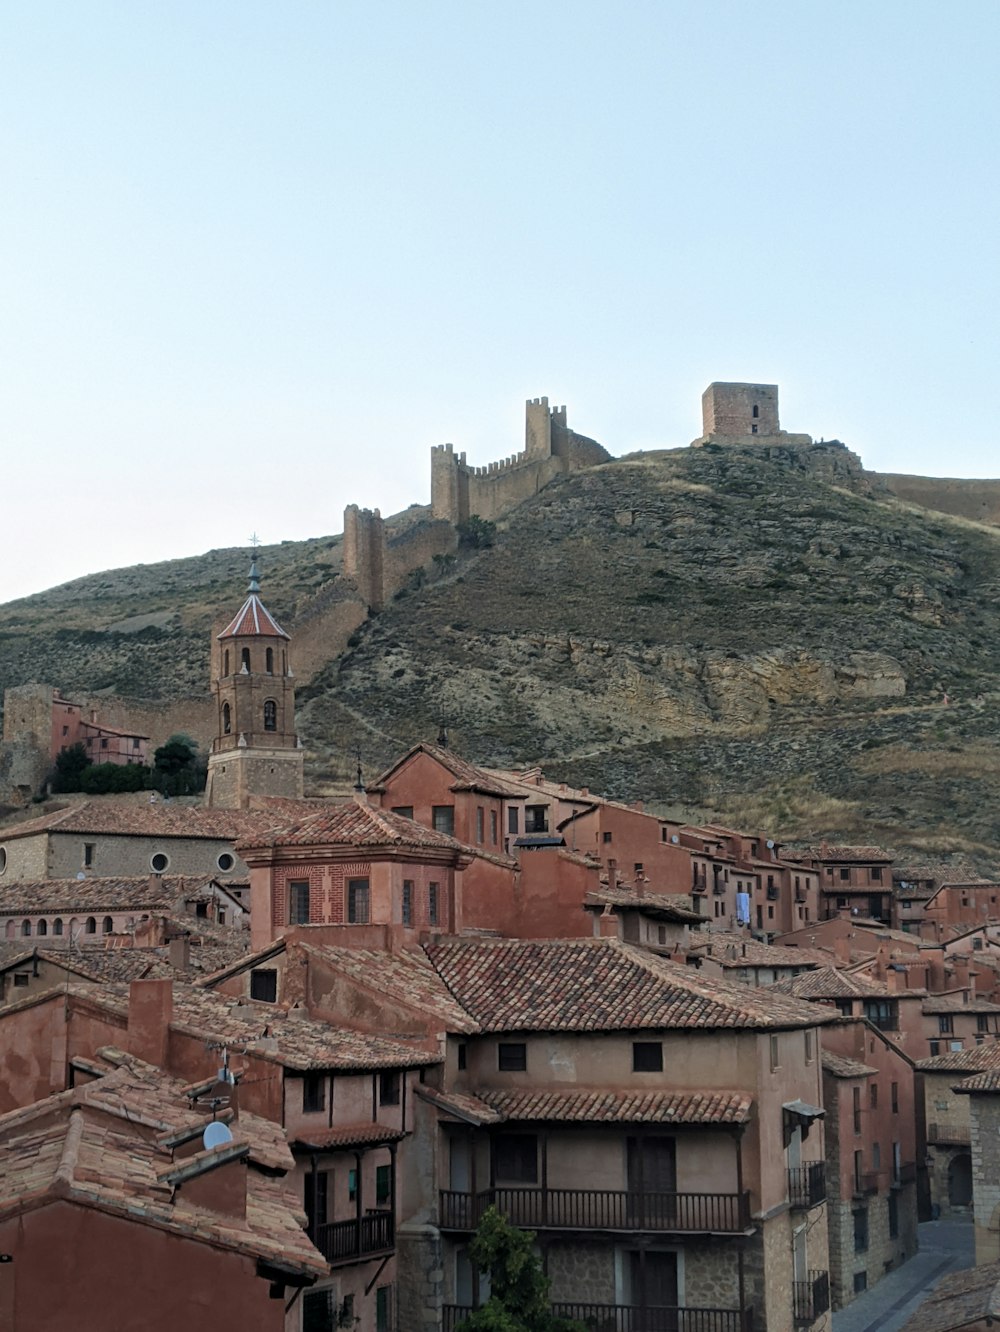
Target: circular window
x,y
3,859
226,861
159,862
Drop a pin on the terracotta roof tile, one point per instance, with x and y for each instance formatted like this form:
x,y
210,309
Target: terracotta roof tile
x,y
739,950
467,776
943,1003
599,985
406,976
253,620
128,818
976,1059
347,1135
971,1297
664,905
843,1067
352,823
830,983
147,892
622,1107
845,854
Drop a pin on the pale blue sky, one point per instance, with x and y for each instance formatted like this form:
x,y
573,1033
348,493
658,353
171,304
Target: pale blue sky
x,y
258,257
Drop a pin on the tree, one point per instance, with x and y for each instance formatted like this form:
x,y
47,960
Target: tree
x,y
70,765
476,533
178,767
112,778
519,1289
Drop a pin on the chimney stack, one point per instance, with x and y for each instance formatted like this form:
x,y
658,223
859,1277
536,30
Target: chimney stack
x,y
150,1009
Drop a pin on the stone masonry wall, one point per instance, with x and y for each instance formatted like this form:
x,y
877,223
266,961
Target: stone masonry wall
x,y
581,1272
420,1277
985,1123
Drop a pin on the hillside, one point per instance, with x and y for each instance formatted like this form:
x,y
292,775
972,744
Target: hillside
x,y
762,634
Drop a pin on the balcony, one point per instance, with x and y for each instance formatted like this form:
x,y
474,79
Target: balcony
x,y
948,1133
601,1209
631,1318
719,888
699,885
811,1299
344,1241
906,1174
772,894
866,1183
807,1184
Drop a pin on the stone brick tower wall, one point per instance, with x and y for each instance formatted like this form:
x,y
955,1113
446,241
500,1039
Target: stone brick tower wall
x,y
550,448
737,410
364,553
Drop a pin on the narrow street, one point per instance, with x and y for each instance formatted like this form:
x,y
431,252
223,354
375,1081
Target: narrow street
x,y
945,1246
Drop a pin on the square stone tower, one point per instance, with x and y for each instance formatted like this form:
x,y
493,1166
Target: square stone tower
x,y
736,410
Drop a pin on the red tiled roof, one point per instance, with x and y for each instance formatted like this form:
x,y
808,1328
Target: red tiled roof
x,y
599,985
976,1059
350,1135
253,619
664,905
843,1067
407,977
860,855
942,1003
738,950
622,1107
146,892
963,1299
467,776
133,818
460,1105
831,983
353,823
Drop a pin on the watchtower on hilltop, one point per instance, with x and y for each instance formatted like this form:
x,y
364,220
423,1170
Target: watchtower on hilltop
x,y
743,413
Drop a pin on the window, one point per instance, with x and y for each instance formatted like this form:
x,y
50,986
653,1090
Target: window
x,y
42,927
876,874
895,1098
775,1054
859,1170
315,1196
407,901
108,925
494,829
224,861
270,715
753,428
320,1311
90,927
201,910
661,934
512,1057
432,903
383,1183
512,819
462,1056
857,1109
104,742
269,661
383,1309
860,1281
264,985
935,1048
647,1057
977,945
756,411
982,1022
245,659
404,811
945,1026
809,1047
225,662
3,859
357,901
480,824
873,1095
298,902
876,1156
313,1093
605,838
443,819
388,1088
536,818
57,925
352,1186
861,1230
227,719
21,979
88,854
159,862
516,1158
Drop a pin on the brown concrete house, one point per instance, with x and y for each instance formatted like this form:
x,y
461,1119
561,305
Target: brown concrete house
x,y
117,1167
853,878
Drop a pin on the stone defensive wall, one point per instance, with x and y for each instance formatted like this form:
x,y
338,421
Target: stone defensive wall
x,y
977,500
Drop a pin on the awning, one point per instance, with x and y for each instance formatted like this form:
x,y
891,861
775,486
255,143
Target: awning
x,y
541,839
800,1114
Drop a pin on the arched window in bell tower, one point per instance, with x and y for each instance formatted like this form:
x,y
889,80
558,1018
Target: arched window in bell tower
x,y
225,662
227,719
270,715
269,661
245,659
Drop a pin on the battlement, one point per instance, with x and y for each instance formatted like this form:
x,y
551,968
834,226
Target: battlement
x,y
747,412
364,547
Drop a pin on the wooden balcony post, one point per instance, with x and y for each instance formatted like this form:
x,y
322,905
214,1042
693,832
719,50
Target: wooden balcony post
x,y
358,1200
743,1220
544,1144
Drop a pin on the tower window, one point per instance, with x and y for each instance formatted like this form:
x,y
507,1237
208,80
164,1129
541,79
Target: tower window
x,y
298,903
227,719
245,658
269,661
357,901
225,662
270,715
756,411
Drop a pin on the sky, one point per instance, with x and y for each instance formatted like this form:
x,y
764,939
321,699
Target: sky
x,y
256,258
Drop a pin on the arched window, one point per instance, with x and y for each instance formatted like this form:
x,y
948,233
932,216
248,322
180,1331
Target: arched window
x,y
227,719
269,658
57,927
90,926
225,662
108,924
245,658
42,927
270,715
26,927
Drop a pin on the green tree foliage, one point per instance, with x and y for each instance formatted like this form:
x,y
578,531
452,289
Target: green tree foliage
x,y
70,765
113,778
519,1289
476,533
178,767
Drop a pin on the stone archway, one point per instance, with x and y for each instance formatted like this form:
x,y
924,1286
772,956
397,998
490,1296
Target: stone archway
x,y
960,1180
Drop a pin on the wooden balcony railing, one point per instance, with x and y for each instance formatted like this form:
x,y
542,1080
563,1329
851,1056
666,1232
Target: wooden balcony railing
x,y
601,1209
630,1318
807,1184
341,1241
811,1299
960,1133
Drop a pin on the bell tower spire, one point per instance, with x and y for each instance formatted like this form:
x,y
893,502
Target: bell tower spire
x,y
256,750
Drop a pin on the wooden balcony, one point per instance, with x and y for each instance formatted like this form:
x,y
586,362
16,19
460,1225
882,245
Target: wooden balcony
x,y
601,1209
346,1241
810,1299
631,1318
807,1184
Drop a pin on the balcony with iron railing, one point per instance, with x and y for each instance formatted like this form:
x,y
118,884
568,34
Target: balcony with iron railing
x,y
366,1237
601,1209
807,1184
866,1182
811,1298
631,1318
948,1133
904,1174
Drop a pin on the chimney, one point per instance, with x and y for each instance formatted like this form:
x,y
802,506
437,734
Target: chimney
x,y
180,953
150,1009
892,980
842,950
607,924
961,965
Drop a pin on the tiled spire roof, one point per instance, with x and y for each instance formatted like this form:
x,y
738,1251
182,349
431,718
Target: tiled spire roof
x,y
253,618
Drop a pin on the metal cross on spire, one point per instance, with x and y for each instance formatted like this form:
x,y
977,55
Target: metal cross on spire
x,y
254,540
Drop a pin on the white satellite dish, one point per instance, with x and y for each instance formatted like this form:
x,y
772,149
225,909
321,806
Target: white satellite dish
x,y
674,838
770,845
216,1134
80,875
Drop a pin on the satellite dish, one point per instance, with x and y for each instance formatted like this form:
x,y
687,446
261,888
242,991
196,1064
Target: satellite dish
x,y
216,1134
80,875
674,838
770,844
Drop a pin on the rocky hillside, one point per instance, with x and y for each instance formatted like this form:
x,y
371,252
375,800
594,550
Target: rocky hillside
x,y
767,635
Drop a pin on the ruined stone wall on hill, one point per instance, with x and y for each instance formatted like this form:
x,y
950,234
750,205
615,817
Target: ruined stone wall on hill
x,y
978,500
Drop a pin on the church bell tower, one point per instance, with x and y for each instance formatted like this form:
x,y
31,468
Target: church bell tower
x,y
256,750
